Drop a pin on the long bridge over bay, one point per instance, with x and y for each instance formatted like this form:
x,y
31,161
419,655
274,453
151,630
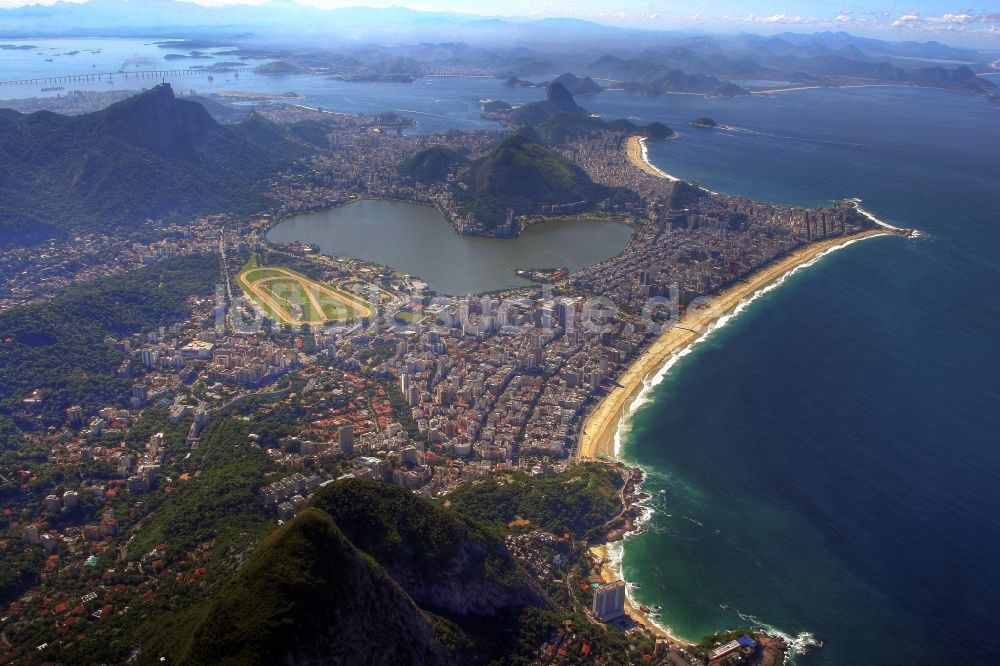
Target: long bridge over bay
x,y
137,74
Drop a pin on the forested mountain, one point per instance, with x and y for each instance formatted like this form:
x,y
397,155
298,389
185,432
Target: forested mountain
x,y
307,595
557,100
524,175
149,156
431,165
368,573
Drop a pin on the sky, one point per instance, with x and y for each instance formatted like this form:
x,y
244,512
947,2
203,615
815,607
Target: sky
x,y
949,21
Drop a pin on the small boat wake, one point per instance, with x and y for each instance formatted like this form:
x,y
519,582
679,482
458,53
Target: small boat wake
x,y
743,130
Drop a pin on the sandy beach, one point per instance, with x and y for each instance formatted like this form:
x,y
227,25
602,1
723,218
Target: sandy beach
x,y
635,149
597,439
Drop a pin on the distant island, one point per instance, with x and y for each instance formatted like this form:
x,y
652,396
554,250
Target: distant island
x,y
279,67
704,122
574,84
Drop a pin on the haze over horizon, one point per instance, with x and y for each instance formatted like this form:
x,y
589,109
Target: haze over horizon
x,y
893,20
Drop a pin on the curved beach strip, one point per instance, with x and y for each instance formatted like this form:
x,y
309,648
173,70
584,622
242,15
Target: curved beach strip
x,y
609,556
638,156
602,430
598,436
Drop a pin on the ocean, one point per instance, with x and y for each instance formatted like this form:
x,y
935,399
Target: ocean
x,y
825,464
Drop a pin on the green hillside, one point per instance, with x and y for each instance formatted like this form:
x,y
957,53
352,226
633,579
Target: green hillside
x,y
307,595
576,501
366,573
448,564
431,165
149,156
524,175
58,346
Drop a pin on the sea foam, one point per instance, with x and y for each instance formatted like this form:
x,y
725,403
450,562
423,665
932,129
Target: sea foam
x,y
645,158
799,644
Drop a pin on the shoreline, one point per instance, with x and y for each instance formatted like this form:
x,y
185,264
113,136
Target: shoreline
x,y
638,156
599,435
772,91
610,571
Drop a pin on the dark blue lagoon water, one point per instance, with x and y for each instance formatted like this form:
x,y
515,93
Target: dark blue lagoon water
x,y
828,462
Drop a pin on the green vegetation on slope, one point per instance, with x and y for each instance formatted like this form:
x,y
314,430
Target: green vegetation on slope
x,y
577,501
704,122
563,127
524,175
657,130
307,595
149,156
59,346
447,563
303,589
683,195
431,165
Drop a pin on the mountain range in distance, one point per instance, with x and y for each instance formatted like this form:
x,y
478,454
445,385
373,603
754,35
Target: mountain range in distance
x,y
304,24
155,156
398,44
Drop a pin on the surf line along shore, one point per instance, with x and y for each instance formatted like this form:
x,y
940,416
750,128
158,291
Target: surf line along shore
x,y
597,438
599,434
638,156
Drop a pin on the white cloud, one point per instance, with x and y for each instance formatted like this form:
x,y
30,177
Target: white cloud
x,y
958,19
906,20
8,4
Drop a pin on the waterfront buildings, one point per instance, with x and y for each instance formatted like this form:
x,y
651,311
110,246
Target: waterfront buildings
x,y
609,601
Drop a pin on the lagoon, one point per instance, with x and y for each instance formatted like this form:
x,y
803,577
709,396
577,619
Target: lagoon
x,y
416,239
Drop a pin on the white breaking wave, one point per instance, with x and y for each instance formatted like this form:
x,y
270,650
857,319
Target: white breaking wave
x,y
798,645
645,158
615,550
642,397
744,130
